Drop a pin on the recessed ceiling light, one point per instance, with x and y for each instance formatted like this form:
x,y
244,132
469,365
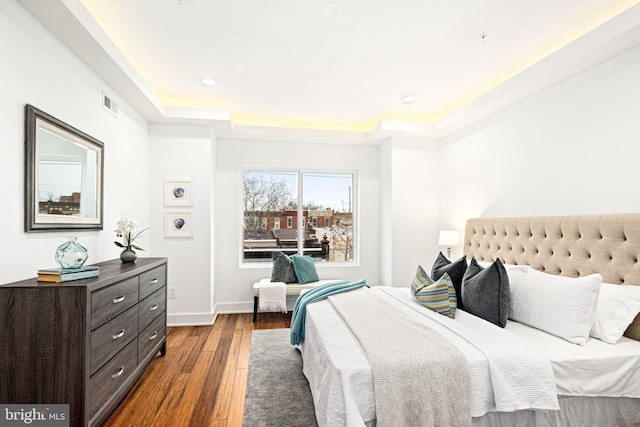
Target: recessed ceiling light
x,y
330,9
408,99
208,81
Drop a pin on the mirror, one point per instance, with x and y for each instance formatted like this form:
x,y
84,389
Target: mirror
x,y
64,169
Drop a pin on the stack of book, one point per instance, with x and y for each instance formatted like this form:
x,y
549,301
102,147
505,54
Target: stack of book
x,y
58,275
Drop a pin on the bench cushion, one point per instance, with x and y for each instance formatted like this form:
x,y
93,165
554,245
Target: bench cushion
x,y
294,288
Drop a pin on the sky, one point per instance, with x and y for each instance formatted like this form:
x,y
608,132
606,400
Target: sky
x,y
59,179
330,190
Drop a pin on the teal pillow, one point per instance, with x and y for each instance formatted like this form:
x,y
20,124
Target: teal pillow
x,y
439,296
305,269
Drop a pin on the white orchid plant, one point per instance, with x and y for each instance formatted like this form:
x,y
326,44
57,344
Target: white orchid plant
x,y
127,230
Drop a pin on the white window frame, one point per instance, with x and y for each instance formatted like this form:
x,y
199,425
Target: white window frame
x,y
355,261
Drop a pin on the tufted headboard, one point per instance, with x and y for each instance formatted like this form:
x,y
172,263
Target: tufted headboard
x,y
566,245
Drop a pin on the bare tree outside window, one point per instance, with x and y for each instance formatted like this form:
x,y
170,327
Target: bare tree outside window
x,y
329,198
341,233
263,196
320,225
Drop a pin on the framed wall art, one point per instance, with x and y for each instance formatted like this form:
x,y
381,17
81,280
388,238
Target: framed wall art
x,y
178,224
177,193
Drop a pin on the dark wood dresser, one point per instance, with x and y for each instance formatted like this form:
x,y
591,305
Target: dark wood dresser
x,y
85,342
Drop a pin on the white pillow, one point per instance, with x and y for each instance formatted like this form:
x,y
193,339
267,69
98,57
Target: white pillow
x,y
523,267
618,305
561,306
513,267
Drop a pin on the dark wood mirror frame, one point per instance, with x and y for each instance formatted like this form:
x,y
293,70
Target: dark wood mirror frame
x,y
83,208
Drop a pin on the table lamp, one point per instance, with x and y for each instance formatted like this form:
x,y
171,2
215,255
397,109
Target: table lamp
x,y
449,238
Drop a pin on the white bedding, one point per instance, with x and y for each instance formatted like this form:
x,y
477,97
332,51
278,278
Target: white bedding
x,y
595,369
342,383
395,345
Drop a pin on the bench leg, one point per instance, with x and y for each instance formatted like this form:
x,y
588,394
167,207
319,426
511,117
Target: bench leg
x,y
255,308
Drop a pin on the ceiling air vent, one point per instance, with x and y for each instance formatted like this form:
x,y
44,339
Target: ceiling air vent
x,y
109,105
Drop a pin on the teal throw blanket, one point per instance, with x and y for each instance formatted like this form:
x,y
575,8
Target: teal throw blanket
x,y
314,295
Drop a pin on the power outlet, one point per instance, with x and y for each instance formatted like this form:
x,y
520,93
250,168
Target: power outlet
x,y
172,293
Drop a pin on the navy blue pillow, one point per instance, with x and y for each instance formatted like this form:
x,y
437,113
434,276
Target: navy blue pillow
x,y
486,292
455,270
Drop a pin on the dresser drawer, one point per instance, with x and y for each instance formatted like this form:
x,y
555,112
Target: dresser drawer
x,y
106,381
151,336
152,280
151,307
108,302
111,337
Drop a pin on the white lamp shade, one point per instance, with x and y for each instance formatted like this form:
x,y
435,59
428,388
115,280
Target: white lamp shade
x,y
449,238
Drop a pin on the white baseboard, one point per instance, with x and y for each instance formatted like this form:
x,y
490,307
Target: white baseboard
x,y
234,307
191,319
201,319
245,307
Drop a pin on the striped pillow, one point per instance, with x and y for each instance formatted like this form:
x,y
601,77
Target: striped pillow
x,y
439,296
421,280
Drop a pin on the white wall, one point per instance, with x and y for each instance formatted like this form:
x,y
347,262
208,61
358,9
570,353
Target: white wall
x,y
414,197
386,212
416,183
185,153
233,283
36,69
572,149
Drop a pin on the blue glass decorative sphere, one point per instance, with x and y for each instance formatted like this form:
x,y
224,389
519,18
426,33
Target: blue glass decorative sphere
x,y
71,254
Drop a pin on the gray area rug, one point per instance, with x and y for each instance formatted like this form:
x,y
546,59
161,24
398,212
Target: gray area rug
x,y
278,393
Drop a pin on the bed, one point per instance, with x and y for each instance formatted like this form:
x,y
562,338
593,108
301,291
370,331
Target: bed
x,y
594,382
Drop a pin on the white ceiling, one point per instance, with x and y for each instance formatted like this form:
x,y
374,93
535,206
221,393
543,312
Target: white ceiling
x,y
284,68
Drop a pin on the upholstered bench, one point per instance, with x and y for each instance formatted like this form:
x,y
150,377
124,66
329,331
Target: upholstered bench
x,y
292,289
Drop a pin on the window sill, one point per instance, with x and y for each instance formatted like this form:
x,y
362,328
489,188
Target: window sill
x,y
321,265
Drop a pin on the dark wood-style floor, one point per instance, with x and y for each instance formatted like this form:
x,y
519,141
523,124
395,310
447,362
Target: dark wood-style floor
x,y
202,379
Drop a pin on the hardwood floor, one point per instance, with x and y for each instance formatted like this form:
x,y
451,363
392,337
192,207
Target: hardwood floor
x,y
202,379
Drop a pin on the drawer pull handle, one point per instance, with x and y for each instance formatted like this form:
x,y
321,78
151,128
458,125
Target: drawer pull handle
x,y
119,299
155,307
154,281
118,335
153,337
117,374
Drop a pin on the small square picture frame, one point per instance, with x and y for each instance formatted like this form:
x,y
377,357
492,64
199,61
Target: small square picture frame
x,y
178,224
177,192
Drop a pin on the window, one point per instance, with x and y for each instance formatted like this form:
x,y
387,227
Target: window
x,y
319,208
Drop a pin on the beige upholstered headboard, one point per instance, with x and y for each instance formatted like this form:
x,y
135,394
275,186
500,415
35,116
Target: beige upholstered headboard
x,y
566,245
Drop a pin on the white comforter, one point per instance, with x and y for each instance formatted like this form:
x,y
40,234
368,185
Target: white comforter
x,y
506,373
